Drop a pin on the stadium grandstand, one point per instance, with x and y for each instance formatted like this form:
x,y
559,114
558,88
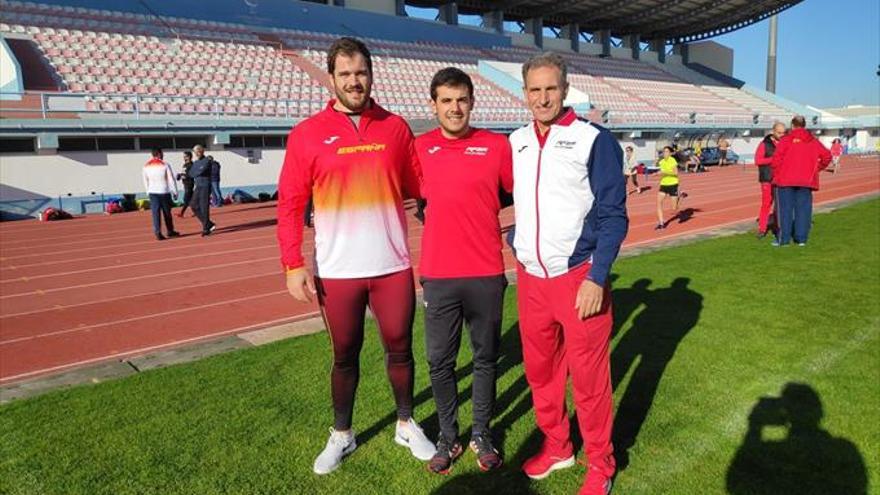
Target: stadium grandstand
x,y
89,85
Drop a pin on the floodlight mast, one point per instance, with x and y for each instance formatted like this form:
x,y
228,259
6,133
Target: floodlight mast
x,y
771,55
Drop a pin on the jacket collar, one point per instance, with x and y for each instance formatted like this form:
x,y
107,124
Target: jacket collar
x,y
800,134
372,112
566,119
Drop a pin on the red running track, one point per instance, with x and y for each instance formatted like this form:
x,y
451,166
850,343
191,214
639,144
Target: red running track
x,y
101,288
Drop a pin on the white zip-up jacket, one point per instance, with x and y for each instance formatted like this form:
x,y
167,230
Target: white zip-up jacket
x,y
570,198
159,178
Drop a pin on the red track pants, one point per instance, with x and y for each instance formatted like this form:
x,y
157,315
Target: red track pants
x,y
766,205
557,344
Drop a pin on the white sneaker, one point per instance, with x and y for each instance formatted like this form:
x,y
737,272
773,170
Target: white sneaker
x,y
338,446
413,437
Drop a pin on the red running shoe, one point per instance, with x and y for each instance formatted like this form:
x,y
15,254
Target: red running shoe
x,y
547,460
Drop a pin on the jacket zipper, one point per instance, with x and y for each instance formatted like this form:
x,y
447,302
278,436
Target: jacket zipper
x,y
538,214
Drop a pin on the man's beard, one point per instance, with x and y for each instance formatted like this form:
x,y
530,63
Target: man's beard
x,y
343,98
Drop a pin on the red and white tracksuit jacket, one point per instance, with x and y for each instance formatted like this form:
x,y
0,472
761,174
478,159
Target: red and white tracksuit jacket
x,y
570,199
357,178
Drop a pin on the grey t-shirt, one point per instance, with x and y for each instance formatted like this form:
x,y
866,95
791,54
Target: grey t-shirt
x,y
355,119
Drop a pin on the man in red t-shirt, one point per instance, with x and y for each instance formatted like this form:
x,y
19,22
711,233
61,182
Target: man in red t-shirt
x,y
464,169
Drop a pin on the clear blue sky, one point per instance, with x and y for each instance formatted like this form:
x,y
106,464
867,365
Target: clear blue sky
x,y
827,54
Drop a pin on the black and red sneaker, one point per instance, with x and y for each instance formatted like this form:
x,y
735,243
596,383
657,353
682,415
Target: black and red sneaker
x,y
488,457
447,453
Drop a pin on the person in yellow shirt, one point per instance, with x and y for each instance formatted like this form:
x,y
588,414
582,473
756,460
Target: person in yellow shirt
x,y
668,185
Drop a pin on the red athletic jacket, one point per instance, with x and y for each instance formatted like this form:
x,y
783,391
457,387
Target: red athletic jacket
x,y
462,177
798,159
357,179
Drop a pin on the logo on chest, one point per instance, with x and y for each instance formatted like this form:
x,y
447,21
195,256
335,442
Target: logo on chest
x,y
434,149
361,148
331,139
565,145
476,150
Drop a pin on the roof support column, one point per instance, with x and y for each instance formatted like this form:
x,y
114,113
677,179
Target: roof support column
x,y
659,46
572,31
632,42
494,20
449,13
400,8
681,49
535,27
603,37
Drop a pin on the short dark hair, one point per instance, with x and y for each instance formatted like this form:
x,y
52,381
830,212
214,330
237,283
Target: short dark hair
x,y
799,121
156,152
629,148
188,153
451,76
347,46
669,148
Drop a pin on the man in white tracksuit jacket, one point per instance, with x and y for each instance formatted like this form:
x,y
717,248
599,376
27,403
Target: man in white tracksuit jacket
x,y
570,198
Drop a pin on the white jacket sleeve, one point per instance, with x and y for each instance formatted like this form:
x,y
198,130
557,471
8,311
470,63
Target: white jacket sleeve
x,y
169,178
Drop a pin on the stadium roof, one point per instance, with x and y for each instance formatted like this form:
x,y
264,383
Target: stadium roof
x,y
672,20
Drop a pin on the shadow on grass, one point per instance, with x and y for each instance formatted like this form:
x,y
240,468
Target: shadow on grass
x,y
805,459
669,314
510,356
476,483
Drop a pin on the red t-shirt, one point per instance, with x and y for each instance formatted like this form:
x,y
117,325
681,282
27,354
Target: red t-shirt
x,y
461,181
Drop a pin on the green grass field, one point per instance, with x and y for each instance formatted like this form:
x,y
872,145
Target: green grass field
x,y
703,332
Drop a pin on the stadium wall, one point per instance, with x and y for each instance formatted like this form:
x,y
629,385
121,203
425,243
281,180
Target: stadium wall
x,y
11,82
76,175
712,55
387,7
308,16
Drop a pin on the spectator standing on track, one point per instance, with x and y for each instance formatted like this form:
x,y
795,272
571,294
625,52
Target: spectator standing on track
x,y
798,159
764,162
723,146
836,152
631,169
188,182
357,161
668,185
160,186
570,198
463,170
215,182
200,171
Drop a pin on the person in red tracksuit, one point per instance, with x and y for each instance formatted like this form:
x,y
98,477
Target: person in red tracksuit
x,y
836,152
357,163
464,169
571,219
796,164
764,162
